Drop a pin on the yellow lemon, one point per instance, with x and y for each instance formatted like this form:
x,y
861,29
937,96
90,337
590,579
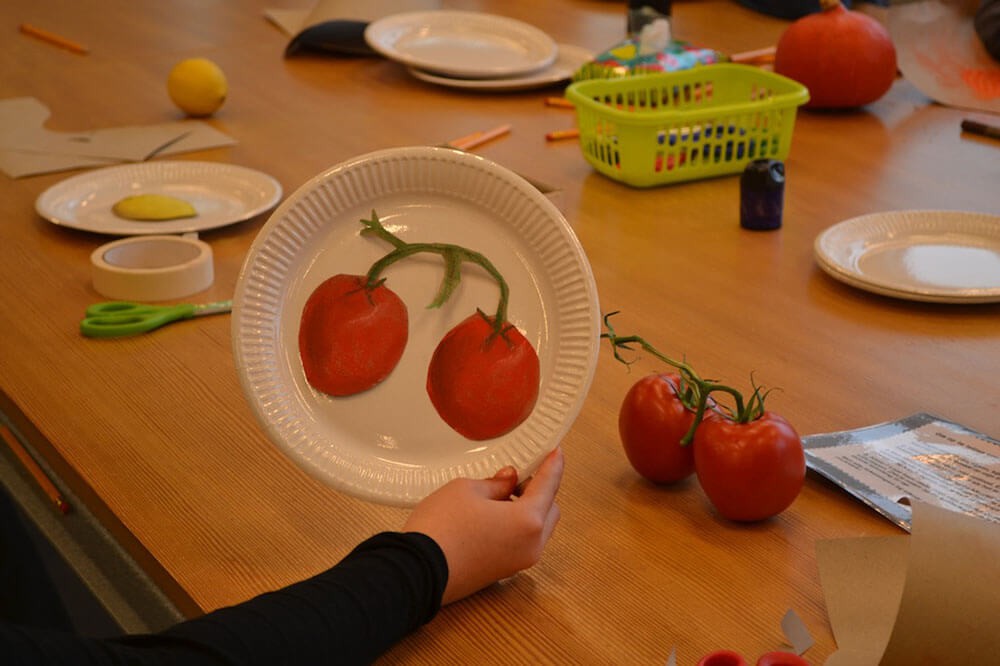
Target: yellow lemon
x,y
153,207
198,86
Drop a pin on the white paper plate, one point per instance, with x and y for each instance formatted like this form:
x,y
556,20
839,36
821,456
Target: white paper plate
x,y
462,44
388,444
934,256
569,60
222,194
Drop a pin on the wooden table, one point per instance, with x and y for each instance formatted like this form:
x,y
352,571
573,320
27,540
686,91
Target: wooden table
x,y
152,434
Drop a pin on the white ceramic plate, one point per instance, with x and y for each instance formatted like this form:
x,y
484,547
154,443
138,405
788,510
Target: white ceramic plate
x,y
388,444
934,256
569,60
462,44
222,194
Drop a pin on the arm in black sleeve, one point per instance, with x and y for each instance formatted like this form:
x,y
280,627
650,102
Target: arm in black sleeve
x,y
384,589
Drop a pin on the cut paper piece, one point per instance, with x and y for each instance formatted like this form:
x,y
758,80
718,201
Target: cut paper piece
x,y
925,598
28,148
939,52
796,632
338,26
862,582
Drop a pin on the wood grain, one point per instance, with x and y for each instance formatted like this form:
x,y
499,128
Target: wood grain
x,y
154,433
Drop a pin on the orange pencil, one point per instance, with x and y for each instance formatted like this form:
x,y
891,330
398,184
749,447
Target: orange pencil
x,y
37,473
463,140
558,135
479,138
561,102
54,39
756,56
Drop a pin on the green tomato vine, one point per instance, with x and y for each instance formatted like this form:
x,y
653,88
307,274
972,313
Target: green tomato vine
x,y
694,391
454,256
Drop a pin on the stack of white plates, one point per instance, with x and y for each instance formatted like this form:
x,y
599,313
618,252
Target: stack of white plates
x,y
474,51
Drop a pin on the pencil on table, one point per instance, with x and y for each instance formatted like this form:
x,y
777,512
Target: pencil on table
x,y
558,135
37,473
757,56
982,129
54,39
479,138
462,140
560,102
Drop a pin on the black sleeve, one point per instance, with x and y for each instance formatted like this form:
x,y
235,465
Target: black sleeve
x,y
384,589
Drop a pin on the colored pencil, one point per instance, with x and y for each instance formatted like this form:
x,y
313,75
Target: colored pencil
x,y
982,129
560,102
479,138
755,57
36,472
558,135
54,39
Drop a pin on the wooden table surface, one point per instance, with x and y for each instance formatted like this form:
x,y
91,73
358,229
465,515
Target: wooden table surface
x,y
153,432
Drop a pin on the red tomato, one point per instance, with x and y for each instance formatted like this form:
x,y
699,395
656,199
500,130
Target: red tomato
x,y
350,337
481,383
750,471
651,422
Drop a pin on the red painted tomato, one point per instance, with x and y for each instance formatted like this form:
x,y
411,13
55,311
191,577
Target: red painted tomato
x,y
351,337
481,383
651,423
750,471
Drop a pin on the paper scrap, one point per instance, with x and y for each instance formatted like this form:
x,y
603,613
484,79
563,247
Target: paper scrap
x,y
28,148
862,582
796,632
929,597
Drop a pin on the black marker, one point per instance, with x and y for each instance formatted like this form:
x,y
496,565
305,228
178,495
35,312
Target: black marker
x,y
981,129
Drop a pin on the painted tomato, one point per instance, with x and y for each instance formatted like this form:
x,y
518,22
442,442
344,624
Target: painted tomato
x,y
351,337
652,421
750,471
482,383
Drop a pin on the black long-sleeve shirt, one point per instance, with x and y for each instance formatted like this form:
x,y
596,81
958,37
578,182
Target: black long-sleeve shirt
x,y
388,586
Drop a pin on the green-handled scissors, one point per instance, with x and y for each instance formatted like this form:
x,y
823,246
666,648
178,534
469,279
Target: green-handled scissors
x,y
115,319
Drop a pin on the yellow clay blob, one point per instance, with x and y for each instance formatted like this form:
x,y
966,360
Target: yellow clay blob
x,y
153,207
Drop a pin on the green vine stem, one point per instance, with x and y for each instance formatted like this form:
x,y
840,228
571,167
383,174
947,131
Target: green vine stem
x,y
695,398
453,255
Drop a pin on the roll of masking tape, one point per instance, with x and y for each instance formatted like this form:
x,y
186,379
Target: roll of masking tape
x,y
152,268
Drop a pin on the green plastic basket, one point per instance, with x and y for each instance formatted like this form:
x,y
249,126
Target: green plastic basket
x,y
671,127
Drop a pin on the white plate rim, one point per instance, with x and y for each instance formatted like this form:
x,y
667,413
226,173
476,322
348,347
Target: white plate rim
x,y
383,34
831,245
569,59
281,402
60,204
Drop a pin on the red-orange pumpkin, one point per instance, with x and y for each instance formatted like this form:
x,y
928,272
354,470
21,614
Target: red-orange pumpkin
x,y
845,58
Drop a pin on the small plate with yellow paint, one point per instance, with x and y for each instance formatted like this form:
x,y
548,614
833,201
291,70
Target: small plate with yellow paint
x,y
219,194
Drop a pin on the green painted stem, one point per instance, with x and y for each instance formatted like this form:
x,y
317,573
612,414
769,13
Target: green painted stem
x,y
453,255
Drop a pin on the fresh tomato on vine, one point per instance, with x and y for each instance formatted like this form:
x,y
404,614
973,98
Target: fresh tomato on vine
x,y
751,470
351,335
654,417
483,382
749,461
